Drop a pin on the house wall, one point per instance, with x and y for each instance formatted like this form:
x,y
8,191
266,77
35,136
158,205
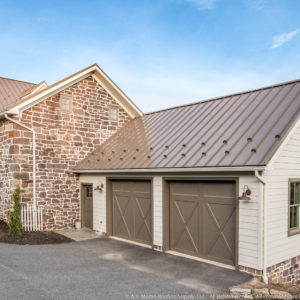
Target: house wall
x,y
9,179
63,138
249,223
283,251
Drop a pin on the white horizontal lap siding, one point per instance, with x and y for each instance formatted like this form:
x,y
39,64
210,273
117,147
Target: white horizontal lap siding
x,y
157,211
249,248
99,201
280,246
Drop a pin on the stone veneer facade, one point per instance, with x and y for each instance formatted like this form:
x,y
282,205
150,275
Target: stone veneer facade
x,y
287,271
63,138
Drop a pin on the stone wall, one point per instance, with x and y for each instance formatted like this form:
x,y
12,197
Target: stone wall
x,y
286,272
63,138
6,167
251,271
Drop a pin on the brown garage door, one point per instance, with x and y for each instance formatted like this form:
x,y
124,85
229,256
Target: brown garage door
x,y
132,210
202,219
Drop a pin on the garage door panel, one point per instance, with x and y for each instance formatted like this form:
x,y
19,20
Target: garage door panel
x,y
143,235
229,232
219,213
121,186
203,223
218,189
219,234
184,188
132,210
143,187
185,225
143,219
220,252
121,215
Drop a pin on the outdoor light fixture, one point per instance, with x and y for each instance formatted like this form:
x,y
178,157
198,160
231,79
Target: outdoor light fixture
x,y
246,193
99,187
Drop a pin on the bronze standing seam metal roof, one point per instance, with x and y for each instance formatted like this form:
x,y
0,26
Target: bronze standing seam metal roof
x,y
11,90
239,130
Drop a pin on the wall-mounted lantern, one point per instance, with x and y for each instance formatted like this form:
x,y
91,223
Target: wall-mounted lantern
x,y
246,193
99,187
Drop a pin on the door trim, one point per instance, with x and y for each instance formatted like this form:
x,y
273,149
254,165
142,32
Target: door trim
x,y
82,205
166,209
109,202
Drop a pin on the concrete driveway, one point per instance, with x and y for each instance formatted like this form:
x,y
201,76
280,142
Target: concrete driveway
x,y
107,269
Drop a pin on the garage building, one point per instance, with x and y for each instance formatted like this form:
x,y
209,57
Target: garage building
x,y
217,181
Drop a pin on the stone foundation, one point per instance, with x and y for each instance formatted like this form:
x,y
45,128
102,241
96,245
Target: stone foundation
x,y
287,272
251,271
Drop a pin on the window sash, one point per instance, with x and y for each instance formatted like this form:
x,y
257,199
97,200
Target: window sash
x,y
294,206
294,216
113,113
65,103
295,193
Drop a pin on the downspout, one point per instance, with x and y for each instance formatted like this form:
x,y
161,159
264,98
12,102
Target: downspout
x,y
264,250
33,155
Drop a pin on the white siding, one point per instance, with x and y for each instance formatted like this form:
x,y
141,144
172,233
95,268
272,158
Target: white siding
x,y
250,237
99,199
286,165
157,211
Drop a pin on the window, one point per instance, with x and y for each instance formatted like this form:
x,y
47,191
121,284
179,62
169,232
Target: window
x,y
65,103
294,207
89,191
113,113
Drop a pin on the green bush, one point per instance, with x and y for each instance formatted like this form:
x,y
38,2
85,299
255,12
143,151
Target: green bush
x,y
15,225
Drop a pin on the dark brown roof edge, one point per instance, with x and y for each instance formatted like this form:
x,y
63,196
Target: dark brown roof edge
x,y
224,97
161,169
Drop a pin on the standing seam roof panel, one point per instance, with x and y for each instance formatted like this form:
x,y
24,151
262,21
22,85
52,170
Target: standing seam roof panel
x,y
11,90
242,129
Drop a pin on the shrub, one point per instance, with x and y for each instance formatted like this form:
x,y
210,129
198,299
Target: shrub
x,y
15,225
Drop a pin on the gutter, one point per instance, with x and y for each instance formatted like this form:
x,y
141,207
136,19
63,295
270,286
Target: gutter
x,y
171,170
33,153
264,227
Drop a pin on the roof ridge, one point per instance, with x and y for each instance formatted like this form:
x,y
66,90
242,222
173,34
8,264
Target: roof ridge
x,y
226,96
60,81
17,80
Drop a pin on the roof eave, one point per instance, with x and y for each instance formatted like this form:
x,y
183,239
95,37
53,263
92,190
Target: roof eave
x,y
172,170
4,113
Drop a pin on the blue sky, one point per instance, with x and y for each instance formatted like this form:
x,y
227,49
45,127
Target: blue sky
x,y
162,53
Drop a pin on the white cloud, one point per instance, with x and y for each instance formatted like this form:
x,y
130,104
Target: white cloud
x,y
281,39
203,4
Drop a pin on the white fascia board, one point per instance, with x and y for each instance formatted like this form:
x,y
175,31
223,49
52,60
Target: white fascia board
x,y
37,88
52,91
108,90
72,80
171,170
2,115
283,143
42,85
131,103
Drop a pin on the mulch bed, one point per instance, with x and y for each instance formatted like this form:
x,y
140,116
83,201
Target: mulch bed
x,y
32,237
